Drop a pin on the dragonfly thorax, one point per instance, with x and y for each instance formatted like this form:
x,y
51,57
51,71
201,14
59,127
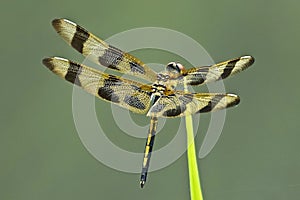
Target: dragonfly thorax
x,y
158,89
167,80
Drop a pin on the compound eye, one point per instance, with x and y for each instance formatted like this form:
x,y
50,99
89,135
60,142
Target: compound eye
x,y
180,66
174,67
171,64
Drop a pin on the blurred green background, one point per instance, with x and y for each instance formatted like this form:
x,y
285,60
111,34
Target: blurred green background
x,y
257,156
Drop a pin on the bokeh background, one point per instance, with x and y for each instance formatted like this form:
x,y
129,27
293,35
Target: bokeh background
x,y
257,156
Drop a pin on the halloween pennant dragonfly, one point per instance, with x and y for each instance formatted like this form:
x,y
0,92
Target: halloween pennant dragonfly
x,y
158,99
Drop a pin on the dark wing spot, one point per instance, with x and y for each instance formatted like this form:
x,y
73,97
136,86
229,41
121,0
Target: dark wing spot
x,y
207,108
48,63
201,76
157,107
73,71
211,104
136,68
175,111
108,94
134,102
112,80
196,82
111,57
198,76
228,69
79,38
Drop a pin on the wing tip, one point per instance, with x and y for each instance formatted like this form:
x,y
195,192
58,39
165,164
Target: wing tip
x,y
48,63
60,22
250,59
56,23
235,100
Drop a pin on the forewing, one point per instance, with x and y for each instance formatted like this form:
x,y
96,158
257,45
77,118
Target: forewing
x,y
129,94
183,103
206,74
100,52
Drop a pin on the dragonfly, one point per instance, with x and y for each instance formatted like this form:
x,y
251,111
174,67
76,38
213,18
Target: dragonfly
x,y
159,98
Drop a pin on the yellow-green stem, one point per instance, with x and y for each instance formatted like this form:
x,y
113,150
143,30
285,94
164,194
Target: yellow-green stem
x,y
194,178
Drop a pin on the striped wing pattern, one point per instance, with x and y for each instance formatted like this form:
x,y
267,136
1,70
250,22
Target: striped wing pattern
x,y
157,100
206,74
184,103
129,94
100,52
133,95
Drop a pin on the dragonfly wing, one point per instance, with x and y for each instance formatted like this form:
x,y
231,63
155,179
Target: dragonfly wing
x,y
206,74
126,93
100,52
183,103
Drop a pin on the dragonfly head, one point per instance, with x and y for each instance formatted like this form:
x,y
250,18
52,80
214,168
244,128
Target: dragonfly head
x,y
174,67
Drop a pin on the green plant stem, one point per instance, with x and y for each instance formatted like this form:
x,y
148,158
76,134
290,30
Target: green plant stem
x,y
194,178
